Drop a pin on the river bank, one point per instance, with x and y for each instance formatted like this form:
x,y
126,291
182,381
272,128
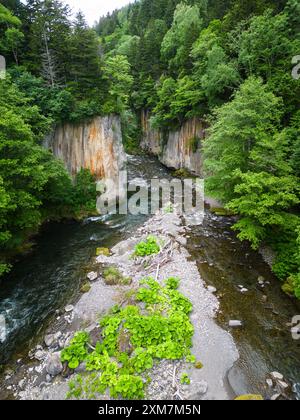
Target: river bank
x,y
209,342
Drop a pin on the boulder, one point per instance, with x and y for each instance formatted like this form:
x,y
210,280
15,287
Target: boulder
x,y
276,376
53,364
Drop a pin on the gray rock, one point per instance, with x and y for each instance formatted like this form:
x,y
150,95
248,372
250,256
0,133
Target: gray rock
x,y
283,385
40,355
21,384
275,397
211,289
49,340
69,308
48,378
235,324
92,276
53,364
202,388
276,376
80,368
244,290
270,383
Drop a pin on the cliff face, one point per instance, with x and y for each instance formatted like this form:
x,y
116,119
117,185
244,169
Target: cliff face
x,y
95,145
178,149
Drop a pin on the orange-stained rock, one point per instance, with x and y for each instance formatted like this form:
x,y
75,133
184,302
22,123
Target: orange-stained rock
x,y
95,145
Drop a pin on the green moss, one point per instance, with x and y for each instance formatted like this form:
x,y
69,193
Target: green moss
x,y
113,277
198,365
219,211
249,397
103,251
185,380
85,288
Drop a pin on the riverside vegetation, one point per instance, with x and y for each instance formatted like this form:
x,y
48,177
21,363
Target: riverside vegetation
x,y
132,338
226,62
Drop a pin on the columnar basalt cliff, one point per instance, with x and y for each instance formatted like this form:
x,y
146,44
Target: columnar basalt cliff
x,y
95,145
176,149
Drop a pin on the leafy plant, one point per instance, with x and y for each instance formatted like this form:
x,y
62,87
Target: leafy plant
x,y
148,247
185,380
77,351
162,331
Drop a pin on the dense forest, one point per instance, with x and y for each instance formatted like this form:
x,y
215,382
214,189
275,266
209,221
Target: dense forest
x,y
228,62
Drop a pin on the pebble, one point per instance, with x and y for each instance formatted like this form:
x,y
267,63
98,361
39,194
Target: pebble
x,y
275,397
21,383
48,378
265,298
235,324
244,290
69,308
211,289
270,383
49,340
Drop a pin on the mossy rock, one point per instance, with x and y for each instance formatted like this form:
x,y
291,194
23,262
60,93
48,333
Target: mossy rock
x,y
183,173
124,343
113,277
85,288
219,211
249,397
103,251
198,365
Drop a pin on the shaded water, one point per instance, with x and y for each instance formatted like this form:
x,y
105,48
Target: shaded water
x,y
52,274
265,342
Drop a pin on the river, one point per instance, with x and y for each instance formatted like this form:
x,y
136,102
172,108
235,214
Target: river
x,y
51,275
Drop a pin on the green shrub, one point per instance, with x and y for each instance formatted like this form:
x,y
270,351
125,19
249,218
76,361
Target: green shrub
x,y
148,247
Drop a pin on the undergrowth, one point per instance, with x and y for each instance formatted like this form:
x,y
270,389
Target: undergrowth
x,y
147,248
162,330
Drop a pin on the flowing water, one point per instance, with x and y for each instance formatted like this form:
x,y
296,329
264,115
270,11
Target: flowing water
x,y
51,275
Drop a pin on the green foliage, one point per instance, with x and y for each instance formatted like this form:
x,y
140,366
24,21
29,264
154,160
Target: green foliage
x,y
147,248
77,351
154,333
113,277
185,380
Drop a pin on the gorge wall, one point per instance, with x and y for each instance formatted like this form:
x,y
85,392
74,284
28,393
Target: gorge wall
x,y
95,145
176,149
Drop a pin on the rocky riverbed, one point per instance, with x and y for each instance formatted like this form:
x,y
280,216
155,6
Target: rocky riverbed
x,y
45,377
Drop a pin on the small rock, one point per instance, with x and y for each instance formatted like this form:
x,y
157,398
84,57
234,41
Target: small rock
x,y
261,280
49,340
58,335
81,368
48,378
275,397
235,324
270,383
244,290
40,355
53,364
283,385
264,298
92,276
276,376
69,308
211,289
21,384
240,286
